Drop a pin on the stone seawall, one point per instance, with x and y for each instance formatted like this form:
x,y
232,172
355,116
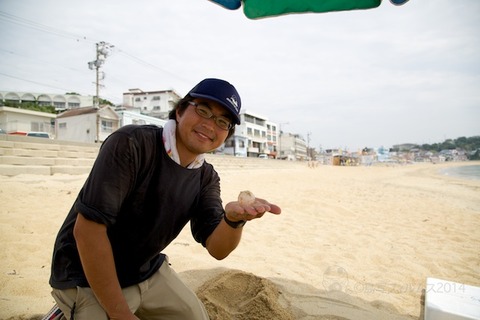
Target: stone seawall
x,y
29,155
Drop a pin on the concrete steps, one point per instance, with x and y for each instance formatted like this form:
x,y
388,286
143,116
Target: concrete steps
x,y
29,155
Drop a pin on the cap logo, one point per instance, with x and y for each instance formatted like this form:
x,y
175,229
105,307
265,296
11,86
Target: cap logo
x,y
234,102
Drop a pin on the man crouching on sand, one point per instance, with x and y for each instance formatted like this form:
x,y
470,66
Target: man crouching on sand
x,y
146,184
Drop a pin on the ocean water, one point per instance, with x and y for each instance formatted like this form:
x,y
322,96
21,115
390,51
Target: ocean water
x,y
465,172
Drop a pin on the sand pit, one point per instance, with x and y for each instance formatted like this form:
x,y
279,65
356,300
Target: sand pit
x,y
351,242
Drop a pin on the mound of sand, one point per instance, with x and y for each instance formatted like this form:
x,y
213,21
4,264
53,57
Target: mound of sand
x,y
237,295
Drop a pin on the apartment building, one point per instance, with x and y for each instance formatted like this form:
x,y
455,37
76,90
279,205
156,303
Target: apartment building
x,y
255,136
152,103
293,147
61,102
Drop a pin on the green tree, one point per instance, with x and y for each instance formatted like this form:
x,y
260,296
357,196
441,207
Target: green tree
x,y
105,102
475,156
34,106
464,143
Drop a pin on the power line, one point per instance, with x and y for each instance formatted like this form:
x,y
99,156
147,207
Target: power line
x,y
54,31
40,27
44,62
41,60
148,64
10,18
50,86
31,81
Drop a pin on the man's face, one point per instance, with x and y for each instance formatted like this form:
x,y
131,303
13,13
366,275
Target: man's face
x,y
196,134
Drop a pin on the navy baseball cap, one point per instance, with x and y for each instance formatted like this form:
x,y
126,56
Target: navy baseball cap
x,y
398,2
220,91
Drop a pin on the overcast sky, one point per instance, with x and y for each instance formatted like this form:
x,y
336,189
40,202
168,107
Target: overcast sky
x,y
378,77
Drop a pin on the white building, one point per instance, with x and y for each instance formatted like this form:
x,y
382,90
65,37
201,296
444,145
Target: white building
x,y
152,103
292,147
20,121
87,124
255,136
130,117
272,139
59,101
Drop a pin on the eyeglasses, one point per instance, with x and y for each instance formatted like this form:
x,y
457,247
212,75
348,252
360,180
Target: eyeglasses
x,y
205,112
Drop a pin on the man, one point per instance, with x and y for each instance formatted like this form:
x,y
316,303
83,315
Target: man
x,y
146,184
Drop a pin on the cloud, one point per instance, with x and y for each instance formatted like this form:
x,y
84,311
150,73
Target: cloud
x,y
360,78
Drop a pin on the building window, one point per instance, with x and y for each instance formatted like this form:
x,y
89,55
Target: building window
x,y
156,108
156,98
39,126
230,143
74,105
138,99
62,125
249,118
107,126
260,122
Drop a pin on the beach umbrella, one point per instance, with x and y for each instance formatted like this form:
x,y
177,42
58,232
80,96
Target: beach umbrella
x,y
255,9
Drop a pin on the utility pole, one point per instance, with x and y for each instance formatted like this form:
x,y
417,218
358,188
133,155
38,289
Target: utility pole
x,y
102,51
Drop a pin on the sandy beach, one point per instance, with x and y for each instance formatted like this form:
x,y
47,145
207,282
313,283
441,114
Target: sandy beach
x,y
351,242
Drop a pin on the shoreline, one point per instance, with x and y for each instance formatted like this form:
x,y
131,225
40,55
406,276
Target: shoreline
x,y
347,238
455,171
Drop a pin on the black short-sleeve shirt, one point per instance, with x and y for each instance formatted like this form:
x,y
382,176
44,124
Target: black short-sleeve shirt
x,y
145,199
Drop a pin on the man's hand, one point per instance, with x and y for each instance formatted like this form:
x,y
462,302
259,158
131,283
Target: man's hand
x,y
237,211
224,239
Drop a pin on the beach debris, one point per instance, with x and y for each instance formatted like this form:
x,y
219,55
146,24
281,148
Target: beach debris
x,y
185,244
246,198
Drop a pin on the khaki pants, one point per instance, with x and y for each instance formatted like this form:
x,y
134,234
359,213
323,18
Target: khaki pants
x,y
164,296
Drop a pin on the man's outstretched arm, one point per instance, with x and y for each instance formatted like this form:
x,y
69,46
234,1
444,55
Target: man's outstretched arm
x,y
224,239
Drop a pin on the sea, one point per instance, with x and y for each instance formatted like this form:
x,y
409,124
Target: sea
x,y
464,172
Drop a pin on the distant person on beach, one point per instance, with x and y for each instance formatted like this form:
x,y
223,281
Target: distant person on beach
x,y
146,184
